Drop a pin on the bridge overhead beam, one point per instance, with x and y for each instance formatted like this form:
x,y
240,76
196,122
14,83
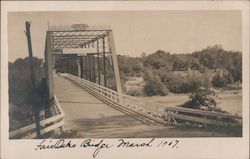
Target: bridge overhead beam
x,y
95,39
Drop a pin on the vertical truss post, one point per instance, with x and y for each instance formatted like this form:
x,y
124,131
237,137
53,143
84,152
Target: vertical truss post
x,y
49,72
87,68
49,66
67,65
93,64
84,62
111,43
79,66
104,62
98,62
90,71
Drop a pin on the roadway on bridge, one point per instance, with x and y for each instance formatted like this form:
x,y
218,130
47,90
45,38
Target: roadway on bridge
x,y
89,117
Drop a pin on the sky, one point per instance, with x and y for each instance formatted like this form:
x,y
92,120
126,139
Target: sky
x,y
134,31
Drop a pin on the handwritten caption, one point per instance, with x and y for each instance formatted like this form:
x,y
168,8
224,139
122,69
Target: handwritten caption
x,y
99,145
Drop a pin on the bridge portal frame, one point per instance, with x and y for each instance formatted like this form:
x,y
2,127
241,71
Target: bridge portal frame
x,y
78,36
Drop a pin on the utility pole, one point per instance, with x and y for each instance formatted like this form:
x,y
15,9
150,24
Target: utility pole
x,y
32,76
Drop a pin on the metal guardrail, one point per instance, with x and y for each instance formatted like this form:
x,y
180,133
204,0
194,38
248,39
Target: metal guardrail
x,y
47,125
151,109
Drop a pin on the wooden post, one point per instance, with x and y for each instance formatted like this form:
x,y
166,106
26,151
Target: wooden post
x,y
32,77
168,116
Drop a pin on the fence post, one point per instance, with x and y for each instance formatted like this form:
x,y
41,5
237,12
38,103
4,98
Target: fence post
x,y
168,116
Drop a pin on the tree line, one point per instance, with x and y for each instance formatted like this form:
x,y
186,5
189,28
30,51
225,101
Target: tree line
x,y
163,71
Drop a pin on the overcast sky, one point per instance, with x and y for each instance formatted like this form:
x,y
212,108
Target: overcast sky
x,y
135,32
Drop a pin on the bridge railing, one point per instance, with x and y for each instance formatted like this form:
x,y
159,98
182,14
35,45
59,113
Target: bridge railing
x,y
203,117
47,124
157,111
148,109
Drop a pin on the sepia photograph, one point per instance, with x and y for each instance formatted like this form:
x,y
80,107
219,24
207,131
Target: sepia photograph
x,y
107,79
125,74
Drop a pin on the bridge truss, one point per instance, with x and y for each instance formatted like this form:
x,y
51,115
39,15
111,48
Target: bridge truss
x,y
90,65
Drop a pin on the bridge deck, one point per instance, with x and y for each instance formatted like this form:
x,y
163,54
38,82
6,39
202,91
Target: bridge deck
x,y
90,117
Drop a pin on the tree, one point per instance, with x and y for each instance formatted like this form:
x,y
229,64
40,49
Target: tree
x,y
153,85
159,59
130,66
19,79
21,95
221,80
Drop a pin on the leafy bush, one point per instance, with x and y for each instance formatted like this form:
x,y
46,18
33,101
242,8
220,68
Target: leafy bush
x,y
135,92
222,80
153,85
178,84
130,66
202,99
184,86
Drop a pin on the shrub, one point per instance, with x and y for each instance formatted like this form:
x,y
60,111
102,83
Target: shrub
x,y
202,99
153,85
135,92
179,84
221,80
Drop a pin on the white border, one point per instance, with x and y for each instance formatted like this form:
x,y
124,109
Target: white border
x,y
189,148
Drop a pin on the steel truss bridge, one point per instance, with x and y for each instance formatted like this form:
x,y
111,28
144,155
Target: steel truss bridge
x,y
79,99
